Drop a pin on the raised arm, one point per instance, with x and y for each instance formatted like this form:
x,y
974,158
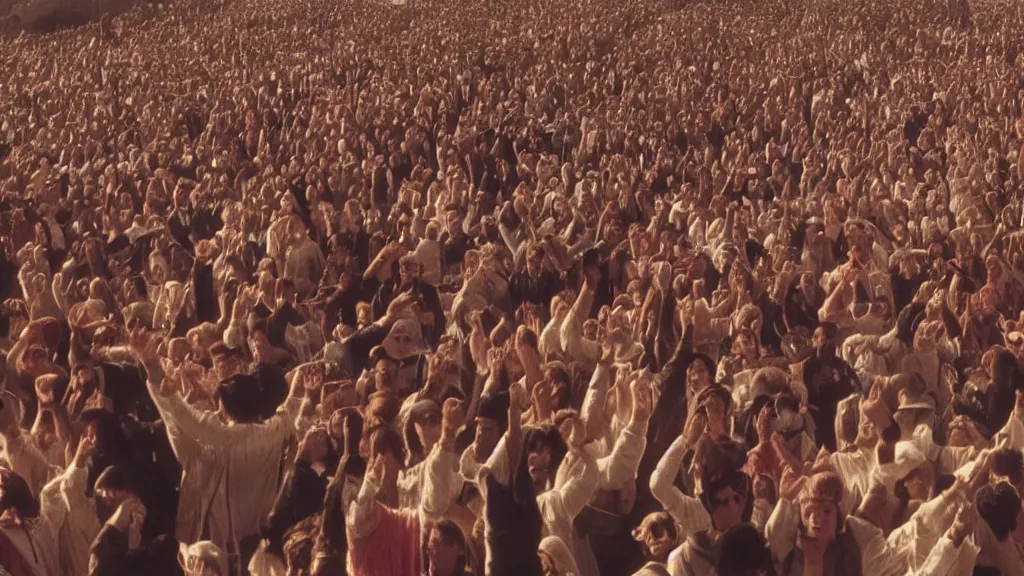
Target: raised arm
x,y
687,511
622,464
441,480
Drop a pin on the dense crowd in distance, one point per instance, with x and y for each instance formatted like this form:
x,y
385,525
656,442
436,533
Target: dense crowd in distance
x,y
514,288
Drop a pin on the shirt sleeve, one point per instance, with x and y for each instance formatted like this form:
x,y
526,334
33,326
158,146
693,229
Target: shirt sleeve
x,y
622,464
688,512
363,512
948,559
185,421
877,557
569,499
26,460
81,509
441,482
593,402
572,327
916,537
781,529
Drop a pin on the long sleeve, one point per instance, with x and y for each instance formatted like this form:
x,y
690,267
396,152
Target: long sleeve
x,y
81,525
514,245
948,559
572,328
622,464
441,482
921,533
575,485
363,513
781,530
186,420
877,557
26,461
688,512
593,402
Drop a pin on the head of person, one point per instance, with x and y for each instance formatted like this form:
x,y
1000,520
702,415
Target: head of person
x,y
285,292
422,429
917,485
105,430
114,486
16,497
716,402
409,269
820,509
227,361
444,549
387,442
1008,466
298,553
659,535
239,399
825,340
699,374
491,423
364,314
203,558
535,260
999,506
35,361
727,498
544,448
744,553
385,373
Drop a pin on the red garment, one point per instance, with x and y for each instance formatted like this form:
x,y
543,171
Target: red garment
x,y
11,559
393,549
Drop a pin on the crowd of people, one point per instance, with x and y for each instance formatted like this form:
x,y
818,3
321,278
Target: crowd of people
x,y
523,288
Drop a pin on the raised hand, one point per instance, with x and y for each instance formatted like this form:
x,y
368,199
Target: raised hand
x,y
643,400
143,345
453,416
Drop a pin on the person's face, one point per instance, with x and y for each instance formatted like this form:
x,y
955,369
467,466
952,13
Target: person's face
x,y
727,508
384,374
820,519
225,367
36,362
534,264
443,556
697,377
995,271
914,484
613,233
820,339
744,345
91,433
659,542
488,432
909,267
428,430
363,317
539,462
409,272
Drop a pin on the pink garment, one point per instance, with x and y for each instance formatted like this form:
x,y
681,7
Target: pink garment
x,y
393,549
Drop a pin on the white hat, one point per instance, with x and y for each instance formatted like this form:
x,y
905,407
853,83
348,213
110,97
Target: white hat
x,y
560,554
203,557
